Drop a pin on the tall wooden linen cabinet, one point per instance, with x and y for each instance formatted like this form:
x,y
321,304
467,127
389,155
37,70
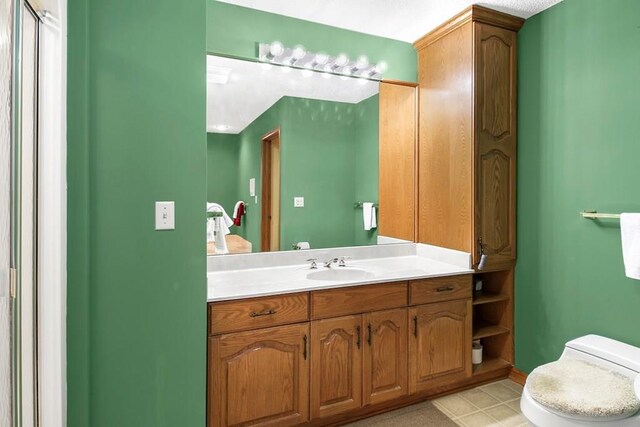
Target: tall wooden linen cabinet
x,y
467,161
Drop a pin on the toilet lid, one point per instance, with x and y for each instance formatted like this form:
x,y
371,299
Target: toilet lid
x,y
577,388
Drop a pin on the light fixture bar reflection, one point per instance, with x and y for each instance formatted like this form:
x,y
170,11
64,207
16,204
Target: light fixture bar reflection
x,y
299,57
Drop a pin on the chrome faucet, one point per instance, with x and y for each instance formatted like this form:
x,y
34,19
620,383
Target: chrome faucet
x,y
314,265
330,262
341,261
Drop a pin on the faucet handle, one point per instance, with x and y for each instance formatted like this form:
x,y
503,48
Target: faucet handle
x,y
342,259
314,265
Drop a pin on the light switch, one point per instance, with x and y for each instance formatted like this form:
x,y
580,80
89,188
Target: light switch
x,y
252,187
298,202
165,216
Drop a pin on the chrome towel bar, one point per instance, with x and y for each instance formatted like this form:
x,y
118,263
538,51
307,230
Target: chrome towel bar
x,y
596,215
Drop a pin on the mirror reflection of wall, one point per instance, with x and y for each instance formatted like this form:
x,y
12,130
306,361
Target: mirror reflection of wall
x,y
310,143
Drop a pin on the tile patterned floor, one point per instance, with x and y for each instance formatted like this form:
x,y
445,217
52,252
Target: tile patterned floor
x,y
491,405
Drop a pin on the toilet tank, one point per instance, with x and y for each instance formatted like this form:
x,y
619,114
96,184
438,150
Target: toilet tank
x,y
617,356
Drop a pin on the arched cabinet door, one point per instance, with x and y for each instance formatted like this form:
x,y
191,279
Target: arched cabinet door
x,y
439,343
336,365
384,356
260,378
495,136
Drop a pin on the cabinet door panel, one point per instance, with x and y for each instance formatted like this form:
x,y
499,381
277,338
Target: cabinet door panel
x,y
495,134
259,378
440,344
336,365
385,356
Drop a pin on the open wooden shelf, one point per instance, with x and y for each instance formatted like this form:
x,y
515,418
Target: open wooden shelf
x,y
483,330
487,298
489,365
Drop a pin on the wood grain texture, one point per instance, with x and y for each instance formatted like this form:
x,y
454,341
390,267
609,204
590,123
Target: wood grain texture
x,y
357,299
397,160
499,314
336,365
385,356
495,136
445,146
473,13
259,378
518,376
254,313
427,291
440,343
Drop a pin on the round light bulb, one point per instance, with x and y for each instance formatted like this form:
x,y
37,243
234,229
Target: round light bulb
x,y
362,62
276,48
381,67
342,60
321,58
298,52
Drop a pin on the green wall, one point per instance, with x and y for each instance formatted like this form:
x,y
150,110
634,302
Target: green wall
x,y
136,319
578,148
236,31
318,153
223,151
366,165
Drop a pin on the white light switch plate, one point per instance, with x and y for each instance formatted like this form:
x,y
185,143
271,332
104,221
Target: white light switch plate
x,y
252,187
165,216
298,202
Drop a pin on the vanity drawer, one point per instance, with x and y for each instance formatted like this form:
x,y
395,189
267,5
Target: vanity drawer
x,y
439,289
255,313
358,299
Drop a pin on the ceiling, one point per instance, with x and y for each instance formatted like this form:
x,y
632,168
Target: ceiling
x,y
405,20
251,88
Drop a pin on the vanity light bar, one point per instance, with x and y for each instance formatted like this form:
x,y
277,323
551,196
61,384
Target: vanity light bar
x,y
298,57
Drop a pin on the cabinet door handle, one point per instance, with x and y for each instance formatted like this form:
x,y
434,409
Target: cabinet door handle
x,y
369,334
415,326
445,288
304,346
263,313
358,336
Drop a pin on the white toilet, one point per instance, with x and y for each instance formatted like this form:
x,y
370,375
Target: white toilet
x,y
566,393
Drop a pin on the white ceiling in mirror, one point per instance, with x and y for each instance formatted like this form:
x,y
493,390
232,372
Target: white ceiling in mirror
x,y
405,20
239,91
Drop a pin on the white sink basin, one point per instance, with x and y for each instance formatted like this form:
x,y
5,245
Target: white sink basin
x,y
340,273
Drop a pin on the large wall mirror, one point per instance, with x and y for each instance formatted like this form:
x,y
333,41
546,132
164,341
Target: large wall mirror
x,y
292,158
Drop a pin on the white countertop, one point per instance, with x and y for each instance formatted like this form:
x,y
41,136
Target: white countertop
x,y
256,282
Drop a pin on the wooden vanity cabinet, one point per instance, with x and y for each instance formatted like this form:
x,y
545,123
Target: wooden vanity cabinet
x,y
259,378
440,344
346,352
467,135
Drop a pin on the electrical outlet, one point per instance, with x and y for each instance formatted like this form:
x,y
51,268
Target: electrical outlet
x,y
165,216
298,202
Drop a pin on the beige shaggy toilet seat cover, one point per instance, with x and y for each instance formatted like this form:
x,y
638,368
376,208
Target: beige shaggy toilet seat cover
x,y
579,388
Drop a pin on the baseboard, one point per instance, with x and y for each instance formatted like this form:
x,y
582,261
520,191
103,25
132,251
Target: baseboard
x,y
517,376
